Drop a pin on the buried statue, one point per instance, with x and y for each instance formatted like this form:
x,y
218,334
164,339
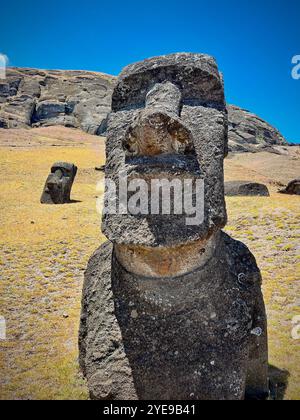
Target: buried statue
x,y
59,183
172,307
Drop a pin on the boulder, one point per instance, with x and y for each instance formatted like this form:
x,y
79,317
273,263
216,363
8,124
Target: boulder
x,y
293,188
246,188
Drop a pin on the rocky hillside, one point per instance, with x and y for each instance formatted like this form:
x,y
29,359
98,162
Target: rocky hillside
x,y
249,133
33,98
80,99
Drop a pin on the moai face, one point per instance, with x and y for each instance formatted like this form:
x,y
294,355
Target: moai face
x,y
59,184
168,124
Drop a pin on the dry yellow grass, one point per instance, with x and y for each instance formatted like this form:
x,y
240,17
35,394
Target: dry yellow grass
x,y
44,251
269,166
270,228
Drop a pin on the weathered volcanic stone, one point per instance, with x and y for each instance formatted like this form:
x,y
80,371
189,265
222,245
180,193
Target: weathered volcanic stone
x,y
293,188
250,133
246,188
59,183
195,143
33,98
81,99
169,311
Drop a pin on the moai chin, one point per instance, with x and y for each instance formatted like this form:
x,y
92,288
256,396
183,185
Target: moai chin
x,y
170,310
59,183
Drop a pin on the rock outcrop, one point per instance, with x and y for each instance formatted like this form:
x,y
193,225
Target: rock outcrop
x,y
172,307
82,99
246,188
33,98
249,133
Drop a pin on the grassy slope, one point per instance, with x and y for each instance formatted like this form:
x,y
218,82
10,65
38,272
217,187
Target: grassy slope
x,y
44,251
270,228
42,267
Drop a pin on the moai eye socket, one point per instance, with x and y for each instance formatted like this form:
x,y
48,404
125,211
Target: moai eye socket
x,y
182,137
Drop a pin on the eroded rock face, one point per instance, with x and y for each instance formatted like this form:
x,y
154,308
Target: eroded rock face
x,y
170,311
293,188
82,99
33,98
246,188
249,133
59,183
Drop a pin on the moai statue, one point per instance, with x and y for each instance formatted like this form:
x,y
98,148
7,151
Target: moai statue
x,y
172,307
59,183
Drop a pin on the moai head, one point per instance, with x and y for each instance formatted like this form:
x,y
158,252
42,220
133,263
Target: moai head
x,y
168,124
59,184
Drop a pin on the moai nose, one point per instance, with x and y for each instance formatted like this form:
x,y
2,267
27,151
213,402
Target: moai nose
x,y
166,97
158,129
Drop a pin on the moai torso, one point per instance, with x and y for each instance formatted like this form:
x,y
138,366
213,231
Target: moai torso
x,y
172,311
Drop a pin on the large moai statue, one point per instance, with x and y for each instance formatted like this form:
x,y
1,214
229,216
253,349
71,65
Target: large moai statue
x,y
172,307
59,183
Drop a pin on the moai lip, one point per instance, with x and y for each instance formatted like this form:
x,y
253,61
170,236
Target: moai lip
x,y
172,311
59,183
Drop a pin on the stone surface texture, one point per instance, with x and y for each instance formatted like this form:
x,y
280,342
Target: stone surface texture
x,y
82,99
33,98
246,188
171,312
250,133
201,124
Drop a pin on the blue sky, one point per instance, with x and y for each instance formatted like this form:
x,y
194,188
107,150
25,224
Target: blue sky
x,y
253,42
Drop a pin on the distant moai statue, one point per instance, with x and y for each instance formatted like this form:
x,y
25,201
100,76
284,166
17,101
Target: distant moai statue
x,y
3,65
170,310
59,183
